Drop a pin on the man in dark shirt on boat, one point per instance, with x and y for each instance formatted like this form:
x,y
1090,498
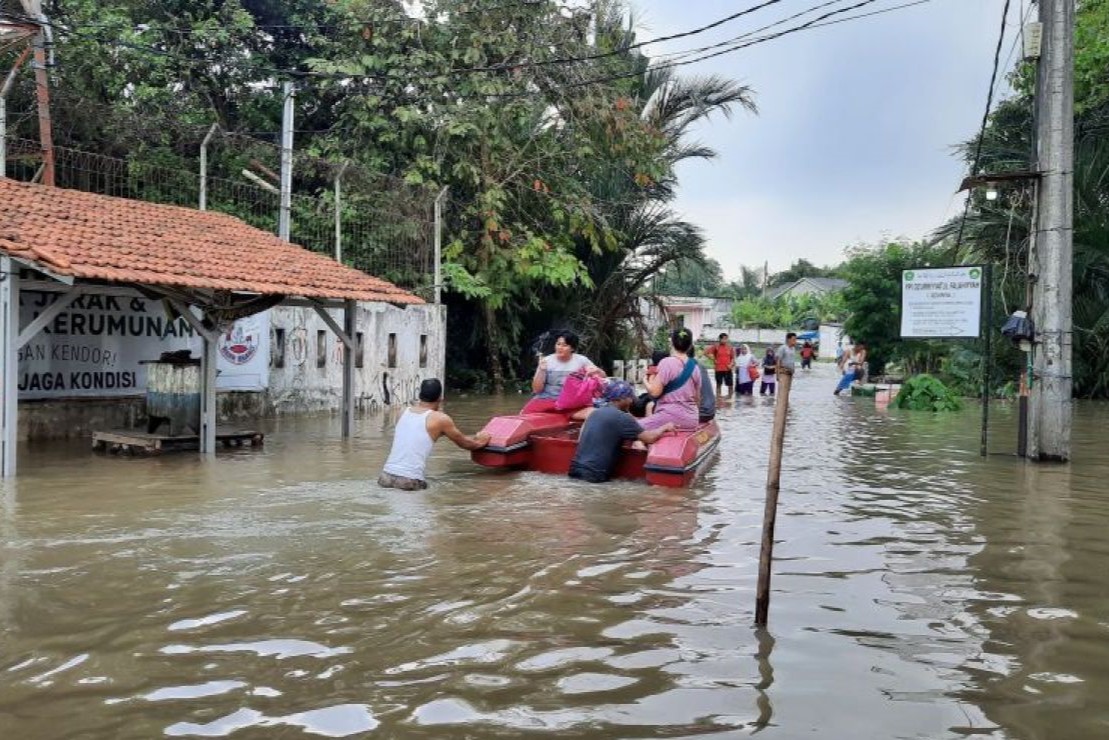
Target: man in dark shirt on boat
x,y
605,430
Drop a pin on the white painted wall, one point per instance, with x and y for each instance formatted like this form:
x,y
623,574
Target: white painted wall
x,y
747,336
301,385
830,335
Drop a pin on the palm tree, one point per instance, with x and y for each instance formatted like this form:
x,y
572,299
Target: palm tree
x,y
651,235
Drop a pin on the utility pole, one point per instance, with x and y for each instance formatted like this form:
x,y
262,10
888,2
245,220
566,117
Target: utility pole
x,y
286,161
42,90
1052,289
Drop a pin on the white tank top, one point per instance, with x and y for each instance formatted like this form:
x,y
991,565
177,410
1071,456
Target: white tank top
x,y
411,446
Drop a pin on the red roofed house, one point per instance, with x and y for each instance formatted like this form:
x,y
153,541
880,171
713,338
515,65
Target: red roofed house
x,y
91,284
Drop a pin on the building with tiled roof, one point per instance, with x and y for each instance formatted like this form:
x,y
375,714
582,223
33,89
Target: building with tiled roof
x,y
93,287
101,238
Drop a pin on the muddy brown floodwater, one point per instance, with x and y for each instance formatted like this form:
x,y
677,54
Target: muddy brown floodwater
x,y
919,591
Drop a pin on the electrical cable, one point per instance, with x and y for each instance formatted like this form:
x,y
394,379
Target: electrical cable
x,y
814,23
1020,35
506,66
985,121
738,47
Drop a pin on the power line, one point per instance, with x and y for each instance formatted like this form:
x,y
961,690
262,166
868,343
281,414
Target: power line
x,y
985,120
501,67
729,42
630,47
733,45
815,23
1020,35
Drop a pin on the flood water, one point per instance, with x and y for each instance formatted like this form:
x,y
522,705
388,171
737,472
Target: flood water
x,y
919,591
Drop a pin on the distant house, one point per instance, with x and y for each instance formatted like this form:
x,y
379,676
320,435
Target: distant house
x,y
819,286
695,314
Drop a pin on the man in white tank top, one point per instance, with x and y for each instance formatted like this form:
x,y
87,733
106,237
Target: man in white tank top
x,y
416,432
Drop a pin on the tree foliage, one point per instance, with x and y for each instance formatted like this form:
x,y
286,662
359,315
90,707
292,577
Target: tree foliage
x,y
559,174
691,277
788,312
800,268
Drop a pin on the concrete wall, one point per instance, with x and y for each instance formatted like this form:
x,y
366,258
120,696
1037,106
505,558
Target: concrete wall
x,y
300,380
763,337
78,417
830,335
302,385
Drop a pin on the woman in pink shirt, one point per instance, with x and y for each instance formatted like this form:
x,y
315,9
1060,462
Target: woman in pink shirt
x,y
677,405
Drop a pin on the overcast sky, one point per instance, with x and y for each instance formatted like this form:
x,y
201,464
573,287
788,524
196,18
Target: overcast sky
x,y
856,124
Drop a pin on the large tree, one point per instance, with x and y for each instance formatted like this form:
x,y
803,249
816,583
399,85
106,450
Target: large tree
x,y
559,171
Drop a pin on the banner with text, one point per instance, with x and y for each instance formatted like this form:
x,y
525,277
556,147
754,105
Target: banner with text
x,y
93,348
941,302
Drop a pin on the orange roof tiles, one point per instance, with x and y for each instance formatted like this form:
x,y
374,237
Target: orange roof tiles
x,y
98,237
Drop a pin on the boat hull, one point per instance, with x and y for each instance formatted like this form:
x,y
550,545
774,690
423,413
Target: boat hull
x,y
547,443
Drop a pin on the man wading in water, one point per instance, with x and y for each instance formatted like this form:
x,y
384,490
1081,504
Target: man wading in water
x,y
416,432
604,431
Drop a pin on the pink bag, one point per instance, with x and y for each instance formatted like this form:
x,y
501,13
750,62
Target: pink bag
x,y
578,391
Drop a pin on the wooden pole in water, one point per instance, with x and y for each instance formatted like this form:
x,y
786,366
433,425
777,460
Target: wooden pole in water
x,y
773,480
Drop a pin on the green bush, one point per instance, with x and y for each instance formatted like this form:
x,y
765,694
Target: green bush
x,y
927,393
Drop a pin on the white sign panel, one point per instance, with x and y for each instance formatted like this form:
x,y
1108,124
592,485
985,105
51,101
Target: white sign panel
x,y
941,302
244,355
93,348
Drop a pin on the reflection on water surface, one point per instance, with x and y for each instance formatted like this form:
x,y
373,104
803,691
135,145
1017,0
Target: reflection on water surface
x,y
919,591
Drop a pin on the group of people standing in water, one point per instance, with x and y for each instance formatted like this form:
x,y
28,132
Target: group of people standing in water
x,y
741,363
679,397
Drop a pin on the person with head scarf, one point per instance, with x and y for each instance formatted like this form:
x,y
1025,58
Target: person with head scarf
x,y
769,373
605,430
746,371
678,386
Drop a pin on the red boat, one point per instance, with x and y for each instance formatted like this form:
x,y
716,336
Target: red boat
x,y
547,443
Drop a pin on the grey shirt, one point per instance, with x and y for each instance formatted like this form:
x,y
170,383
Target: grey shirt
x,y
707,407
599,442
787,357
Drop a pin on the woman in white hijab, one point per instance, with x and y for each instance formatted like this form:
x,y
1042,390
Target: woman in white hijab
x,y
744,378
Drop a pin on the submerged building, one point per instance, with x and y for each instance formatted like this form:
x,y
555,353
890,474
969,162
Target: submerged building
x,y
95,287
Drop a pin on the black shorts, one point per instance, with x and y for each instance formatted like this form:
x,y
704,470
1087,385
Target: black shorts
x,y
724,377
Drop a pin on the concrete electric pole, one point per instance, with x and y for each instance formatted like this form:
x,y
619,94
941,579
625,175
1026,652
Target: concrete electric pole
x,y
284,218
1050,411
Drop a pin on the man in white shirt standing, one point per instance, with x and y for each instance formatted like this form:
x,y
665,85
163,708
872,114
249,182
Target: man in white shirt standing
x,y
415,434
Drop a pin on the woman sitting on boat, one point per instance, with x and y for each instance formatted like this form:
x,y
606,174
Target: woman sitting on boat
x,y
552,372
677,386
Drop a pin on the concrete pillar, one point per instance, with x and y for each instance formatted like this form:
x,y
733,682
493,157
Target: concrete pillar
x,y
9,366
641,371
350,324
208,395
618,369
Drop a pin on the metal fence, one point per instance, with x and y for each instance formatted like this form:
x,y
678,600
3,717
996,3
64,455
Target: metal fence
x,y
383,226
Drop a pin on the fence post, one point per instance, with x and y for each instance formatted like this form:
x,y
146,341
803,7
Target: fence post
x,y
439,245
773,485
204,166
286,162
338,213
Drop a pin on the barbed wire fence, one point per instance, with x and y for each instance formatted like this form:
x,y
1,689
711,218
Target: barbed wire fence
x,y
385,227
